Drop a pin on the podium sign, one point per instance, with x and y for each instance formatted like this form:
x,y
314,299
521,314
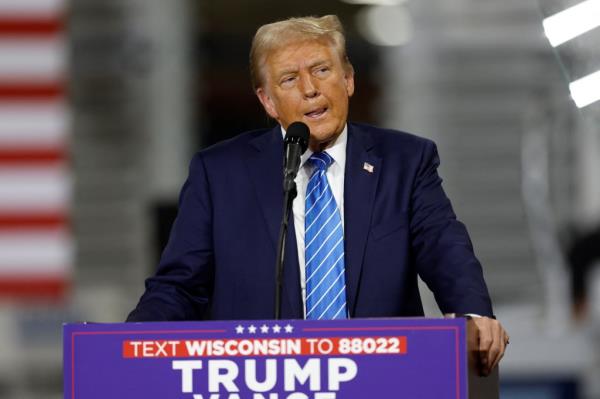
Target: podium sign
x,y
285,359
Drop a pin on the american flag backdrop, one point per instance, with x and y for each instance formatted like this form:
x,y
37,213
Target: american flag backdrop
x,y
36,247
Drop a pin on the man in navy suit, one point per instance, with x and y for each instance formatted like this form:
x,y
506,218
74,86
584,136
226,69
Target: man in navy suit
x,y
397,222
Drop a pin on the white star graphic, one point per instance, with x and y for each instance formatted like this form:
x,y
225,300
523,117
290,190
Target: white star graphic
x,y
252,329
239,329
288,328
264,329
276,329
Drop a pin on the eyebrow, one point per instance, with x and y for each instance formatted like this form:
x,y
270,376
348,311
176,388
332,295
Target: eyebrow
x,y
295,70
287,72
319,62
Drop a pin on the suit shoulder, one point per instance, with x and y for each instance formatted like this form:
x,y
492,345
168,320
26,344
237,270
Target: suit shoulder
x,y
393,139
231,148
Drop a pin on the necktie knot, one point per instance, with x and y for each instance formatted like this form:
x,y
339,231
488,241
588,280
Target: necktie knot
x,y
320,160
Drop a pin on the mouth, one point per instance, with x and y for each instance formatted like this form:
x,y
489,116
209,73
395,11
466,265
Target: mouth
x,y
316,113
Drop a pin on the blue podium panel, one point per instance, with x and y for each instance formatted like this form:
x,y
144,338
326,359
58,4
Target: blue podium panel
x,y
285,359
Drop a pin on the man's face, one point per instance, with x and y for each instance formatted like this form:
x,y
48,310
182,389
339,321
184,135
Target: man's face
x,y
307,82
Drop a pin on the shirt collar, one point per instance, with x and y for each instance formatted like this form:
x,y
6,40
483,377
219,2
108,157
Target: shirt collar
x,y
337,150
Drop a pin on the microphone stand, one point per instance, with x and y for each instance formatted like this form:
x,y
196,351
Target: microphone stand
x,y
295,143
289,193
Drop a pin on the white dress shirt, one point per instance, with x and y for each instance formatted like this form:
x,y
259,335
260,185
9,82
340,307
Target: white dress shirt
x,y
335,177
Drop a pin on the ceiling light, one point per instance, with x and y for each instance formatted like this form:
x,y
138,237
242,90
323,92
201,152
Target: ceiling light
x,y
586,90
572,22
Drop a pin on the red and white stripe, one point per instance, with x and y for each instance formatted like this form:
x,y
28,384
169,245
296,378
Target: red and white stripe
x,y
36,246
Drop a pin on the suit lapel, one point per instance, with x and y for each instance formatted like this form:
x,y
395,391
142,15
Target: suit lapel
x,y
360,185
265,167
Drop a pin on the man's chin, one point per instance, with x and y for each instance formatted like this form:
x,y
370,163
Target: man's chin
x,y
323,130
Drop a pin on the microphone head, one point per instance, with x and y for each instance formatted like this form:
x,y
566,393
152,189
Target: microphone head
x,y
298,133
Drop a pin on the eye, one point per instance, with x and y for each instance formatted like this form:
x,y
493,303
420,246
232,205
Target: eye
x,y
287,81
322,70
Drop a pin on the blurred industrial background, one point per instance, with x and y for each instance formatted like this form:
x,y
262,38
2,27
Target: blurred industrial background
x,y
103,103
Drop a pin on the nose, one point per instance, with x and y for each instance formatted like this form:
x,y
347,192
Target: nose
x,y
308,86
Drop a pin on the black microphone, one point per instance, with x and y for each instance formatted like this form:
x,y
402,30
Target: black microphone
x,y
295,143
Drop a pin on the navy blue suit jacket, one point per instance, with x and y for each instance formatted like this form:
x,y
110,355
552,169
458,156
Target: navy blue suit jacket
x,y
220,259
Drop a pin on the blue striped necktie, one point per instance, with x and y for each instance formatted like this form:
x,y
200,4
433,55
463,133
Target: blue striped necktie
x,y
324,246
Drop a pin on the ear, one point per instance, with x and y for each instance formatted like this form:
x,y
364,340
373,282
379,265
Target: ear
x,y
349,80
267,103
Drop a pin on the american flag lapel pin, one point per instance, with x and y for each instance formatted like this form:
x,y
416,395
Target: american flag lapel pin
x,y
368,167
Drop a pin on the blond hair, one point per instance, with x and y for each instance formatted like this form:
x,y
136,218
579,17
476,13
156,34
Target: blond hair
x,y
276,35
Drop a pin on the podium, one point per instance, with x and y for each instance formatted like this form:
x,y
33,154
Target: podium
x,y
267,359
